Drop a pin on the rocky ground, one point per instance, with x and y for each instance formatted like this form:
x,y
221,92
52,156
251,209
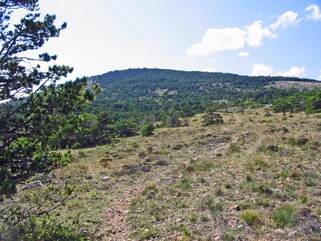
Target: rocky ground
x,y
255,177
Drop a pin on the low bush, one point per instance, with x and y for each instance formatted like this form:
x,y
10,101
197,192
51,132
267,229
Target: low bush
x,y
285,216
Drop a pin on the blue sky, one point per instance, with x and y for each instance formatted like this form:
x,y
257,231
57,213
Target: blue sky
x,y
266,37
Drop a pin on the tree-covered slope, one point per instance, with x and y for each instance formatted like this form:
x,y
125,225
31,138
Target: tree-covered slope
x,y
159,90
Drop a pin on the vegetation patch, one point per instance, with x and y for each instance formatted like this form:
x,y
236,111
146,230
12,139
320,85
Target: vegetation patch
x,y
285,216
251,217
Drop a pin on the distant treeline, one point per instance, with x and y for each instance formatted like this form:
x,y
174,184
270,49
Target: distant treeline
x,y
308,101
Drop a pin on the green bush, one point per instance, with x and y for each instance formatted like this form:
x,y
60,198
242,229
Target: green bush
x,y
308,101
125,128
147,129
44,229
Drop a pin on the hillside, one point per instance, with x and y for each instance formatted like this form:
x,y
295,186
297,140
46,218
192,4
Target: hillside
x,y
255,177
140,94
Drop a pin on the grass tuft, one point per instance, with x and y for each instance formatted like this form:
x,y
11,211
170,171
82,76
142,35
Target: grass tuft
x,y
251,217
285,216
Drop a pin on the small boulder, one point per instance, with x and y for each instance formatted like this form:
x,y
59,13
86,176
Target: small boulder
x,y
302,141
32,185
283,130
273,148
47,178
105,178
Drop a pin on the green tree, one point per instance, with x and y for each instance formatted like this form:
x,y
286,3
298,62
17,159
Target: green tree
x,y
34,108
147,129
172,120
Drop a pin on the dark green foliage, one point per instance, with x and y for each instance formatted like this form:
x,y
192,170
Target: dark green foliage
x,y
38,127
125,128
35,111
7,186
308,101
147,129
90,130
171,120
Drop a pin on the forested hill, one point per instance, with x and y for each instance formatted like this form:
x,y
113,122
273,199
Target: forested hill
x,y
187,92
146,81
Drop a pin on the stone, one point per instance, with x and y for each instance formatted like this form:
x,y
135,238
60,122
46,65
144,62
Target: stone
x,y
302,141
284,130
47,178
273,148
105,178
32,185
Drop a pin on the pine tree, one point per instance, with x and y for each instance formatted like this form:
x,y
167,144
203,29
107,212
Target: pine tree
x,y
32,107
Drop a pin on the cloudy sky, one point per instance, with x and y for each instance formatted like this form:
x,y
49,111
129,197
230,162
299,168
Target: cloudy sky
x,y
266,37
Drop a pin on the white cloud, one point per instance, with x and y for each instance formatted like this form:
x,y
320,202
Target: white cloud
x,y
256,32
224,39
244,54
262,70
216,40
314,12
285,20
266,70
294,72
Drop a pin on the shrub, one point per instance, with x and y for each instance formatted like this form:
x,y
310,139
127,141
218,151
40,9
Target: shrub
x,y
285,216
147,129
173,121
125,128
251,217
44,228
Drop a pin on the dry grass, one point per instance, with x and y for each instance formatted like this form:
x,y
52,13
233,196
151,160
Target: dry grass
x,y
202,183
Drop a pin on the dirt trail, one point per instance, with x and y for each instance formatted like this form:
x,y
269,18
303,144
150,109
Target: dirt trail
x,y
117,211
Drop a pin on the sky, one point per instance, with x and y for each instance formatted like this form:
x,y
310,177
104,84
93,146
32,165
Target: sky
x,y
251,37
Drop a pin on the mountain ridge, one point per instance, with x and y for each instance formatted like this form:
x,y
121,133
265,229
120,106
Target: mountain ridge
x,y
132,70
155,91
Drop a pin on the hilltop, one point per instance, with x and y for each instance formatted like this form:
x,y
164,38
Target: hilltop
x,y
148,92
